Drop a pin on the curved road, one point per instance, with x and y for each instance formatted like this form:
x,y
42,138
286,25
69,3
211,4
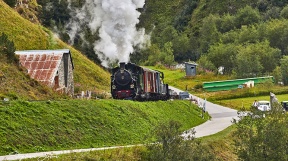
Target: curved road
x,y
221,118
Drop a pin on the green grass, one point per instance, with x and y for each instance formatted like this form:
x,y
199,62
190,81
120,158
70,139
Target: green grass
x,y
248,101
222,144
72,124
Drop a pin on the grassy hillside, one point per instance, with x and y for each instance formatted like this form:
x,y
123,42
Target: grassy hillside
x,y
54,125
29,36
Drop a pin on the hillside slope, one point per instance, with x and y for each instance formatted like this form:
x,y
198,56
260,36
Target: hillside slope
x,y
29,36
72,124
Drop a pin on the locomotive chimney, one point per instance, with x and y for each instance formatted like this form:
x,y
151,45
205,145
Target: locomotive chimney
x,y
122,65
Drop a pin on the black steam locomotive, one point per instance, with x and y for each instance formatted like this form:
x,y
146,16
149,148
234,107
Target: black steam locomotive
x,y
129,81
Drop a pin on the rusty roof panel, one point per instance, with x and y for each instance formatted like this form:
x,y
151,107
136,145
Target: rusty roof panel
x,y
37,58
43,57
41,64
33,65
43,75
22,57
30,57
27,65
47,65
54,64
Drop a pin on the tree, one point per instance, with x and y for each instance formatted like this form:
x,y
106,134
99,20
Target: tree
x,y
284,69
181,48
167,35
272,13
54,11
205,63
227,23
171,146
262,135
11,3
251,59
266,52
277,75
247,16
247,62
247,34
182,19
168,57
7,47
209,33
284,12
223,55
277,34
154,53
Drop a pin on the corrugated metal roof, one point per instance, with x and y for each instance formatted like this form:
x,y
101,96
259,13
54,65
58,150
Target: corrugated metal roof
x,y
41,65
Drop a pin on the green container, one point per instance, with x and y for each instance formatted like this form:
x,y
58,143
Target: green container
x,y
233,84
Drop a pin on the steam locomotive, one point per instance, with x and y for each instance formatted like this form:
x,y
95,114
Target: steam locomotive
x,y
129,81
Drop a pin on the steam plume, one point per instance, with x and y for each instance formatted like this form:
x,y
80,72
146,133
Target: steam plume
x,y
115,20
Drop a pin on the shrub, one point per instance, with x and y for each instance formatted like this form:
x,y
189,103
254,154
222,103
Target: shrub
x,y
172,146
198,86
11,3
262,135
7,47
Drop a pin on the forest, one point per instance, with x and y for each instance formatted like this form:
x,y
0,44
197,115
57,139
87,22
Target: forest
x,y
238,36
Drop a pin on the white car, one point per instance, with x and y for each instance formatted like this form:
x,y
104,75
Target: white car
x,y
264,106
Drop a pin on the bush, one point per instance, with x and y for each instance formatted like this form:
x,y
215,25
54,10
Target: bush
x,y
262,135
198,86
11,3
171,145
7,47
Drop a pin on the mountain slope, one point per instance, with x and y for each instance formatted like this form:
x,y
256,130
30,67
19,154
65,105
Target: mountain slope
x,y
29,36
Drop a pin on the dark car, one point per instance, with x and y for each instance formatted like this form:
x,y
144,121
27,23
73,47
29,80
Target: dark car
x,y
285,105
184,95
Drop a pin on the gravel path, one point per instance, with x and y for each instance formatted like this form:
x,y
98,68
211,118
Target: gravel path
x,y
221,119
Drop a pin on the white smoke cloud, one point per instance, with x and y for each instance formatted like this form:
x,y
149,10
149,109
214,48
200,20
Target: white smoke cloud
x,y
115,20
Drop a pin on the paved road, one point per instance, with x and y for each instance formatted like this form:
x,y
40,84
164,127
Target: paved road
x,y
221,119
52,154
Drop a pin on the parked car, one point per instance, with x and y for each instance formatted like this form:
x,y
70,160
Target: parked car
x,y
184,96
264,106
285,105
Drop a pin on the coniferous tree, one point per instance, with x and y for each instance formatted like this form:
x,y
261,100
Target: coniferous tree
x,y
7,47
11,3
